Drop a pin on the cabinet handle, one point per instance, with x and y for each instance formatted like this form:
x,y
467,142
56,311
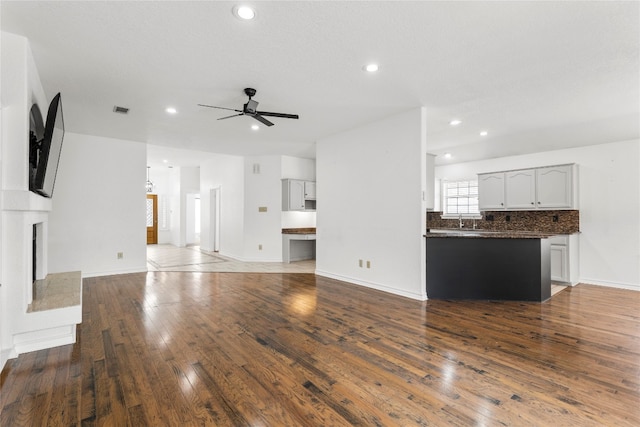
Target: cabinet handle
x,y
532,203
501,204
538,202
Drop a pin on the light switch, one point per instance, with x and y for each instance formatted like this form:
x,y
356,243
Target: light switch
x,y
262,208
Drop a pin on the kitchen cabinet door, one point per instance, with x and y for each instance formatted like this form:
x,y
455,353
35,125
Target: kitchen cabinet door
x,y
555,187
521,189
559,263
309,190
292,195
491,191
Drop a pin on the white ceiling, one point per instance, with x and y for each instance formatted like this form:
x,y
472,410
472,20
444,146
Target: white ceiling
x,y
536,75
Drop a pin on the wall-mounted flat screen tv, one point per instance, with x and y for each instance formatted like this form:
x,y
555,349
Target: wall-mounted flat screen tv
x,y
50,149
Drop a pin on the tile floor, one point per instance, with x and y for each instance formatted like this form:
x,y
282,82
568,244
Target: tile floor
x,y
192,258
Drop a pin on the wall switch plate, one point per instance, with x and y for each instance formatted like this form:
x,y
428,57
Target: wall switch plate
x,y
259,247
262,208
368,264
360,263
120,255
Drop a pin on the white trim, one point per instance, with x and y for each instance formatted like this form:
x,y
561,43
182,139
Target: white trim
x,y
464,216
113,273
373,285
629,286
45,338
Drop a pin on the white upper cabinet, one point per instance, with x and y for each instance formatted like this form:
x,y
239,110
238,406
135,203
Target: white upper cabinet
x,y
521,189
309,190
491,191
555,187
550,187
298,195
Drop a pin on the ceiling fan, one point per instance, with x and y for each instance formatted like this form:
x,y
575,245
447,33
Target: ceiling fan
x,y
250,109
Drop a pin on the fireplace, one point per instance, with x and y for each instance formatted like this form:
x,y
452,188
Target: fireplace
x,y
36,262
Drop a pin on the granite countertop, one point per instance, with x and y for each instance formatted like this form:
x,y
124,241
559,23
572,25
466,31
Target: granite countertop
x,y
487,234
307,230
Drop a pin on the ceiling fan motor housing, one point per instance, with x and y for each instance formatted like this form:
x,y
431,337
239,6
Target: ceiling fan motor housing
x,y
250,107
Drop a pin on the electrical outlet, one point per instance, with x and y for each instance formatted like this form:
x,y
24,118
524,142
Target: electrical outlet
x,y
120,255
368,264
360,263
259,247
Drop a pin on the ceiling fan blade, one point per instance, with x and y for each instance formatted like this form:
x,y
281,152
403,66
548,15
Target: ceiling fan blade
x,y
220,108
262,119
286,116
234,115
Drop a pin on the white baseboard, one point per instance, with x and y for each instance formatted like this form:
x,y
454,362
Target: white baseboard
x,y
5,355
143,269
45,338
373,285
630,286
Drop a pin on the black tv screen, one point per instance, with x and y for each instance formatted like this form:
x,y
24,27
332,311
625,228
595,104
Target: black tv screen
x,y
50,149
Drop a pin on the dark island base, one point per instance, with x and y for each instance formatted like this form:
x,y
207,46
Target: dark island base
x,y
488,269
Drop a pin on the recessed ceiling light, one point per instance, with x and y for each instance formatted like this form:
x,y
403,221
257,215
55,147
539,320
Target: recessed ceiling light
x,y
165,161
455,122
244,12
371,68
484,133
171,110
255,127
447,155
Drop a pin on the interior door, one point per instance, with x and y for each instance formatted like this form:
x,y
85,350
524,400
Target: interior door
x,y
152,219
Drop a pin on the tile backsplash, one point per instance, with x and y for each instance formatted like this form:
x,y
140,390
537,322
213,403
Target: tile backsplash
x,y
560,221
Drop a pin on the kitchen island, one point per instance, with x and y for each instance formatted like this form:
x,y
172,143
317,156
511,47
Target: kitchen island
x,y
480,265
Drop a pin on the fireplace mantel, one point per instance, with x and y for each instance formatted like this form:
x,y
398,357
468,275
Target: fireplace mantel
x,y
20,200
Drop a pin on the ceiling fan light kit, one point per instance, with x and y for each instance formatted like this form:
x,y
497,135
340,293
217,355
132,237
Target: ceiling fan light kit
x,y
251,109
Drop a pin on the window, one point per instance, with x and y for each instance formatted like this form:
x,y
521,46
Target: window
x,y
460,197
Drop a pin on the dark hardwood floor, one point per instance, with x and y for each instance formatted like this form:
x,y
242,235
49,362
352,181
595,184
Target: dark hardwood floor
x,y
252,349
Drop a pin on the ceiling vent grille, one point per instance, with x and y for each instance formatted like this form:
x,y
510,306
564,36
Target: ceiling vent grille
x,y
120,110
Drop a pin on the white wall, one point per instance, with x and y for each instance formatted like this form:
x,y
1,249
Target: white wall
x,y
227,173
189,184
192,237
262,189
98,210
609,197
175,207
370,184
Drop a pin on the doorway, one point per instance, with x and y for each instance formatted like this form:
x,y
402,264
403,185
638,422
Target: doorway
x,y
152,219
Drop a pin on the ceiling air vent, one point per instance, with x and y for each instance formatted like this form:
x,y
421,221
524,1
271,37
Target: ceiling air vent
x,y
121,110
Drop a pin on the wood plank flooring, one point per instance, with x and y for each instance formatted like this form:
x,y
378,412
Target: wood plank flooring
x,y
252,349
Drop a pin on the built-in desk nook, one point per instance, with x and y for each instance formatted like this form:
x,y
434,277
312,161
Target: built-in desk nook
x,y
298,244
